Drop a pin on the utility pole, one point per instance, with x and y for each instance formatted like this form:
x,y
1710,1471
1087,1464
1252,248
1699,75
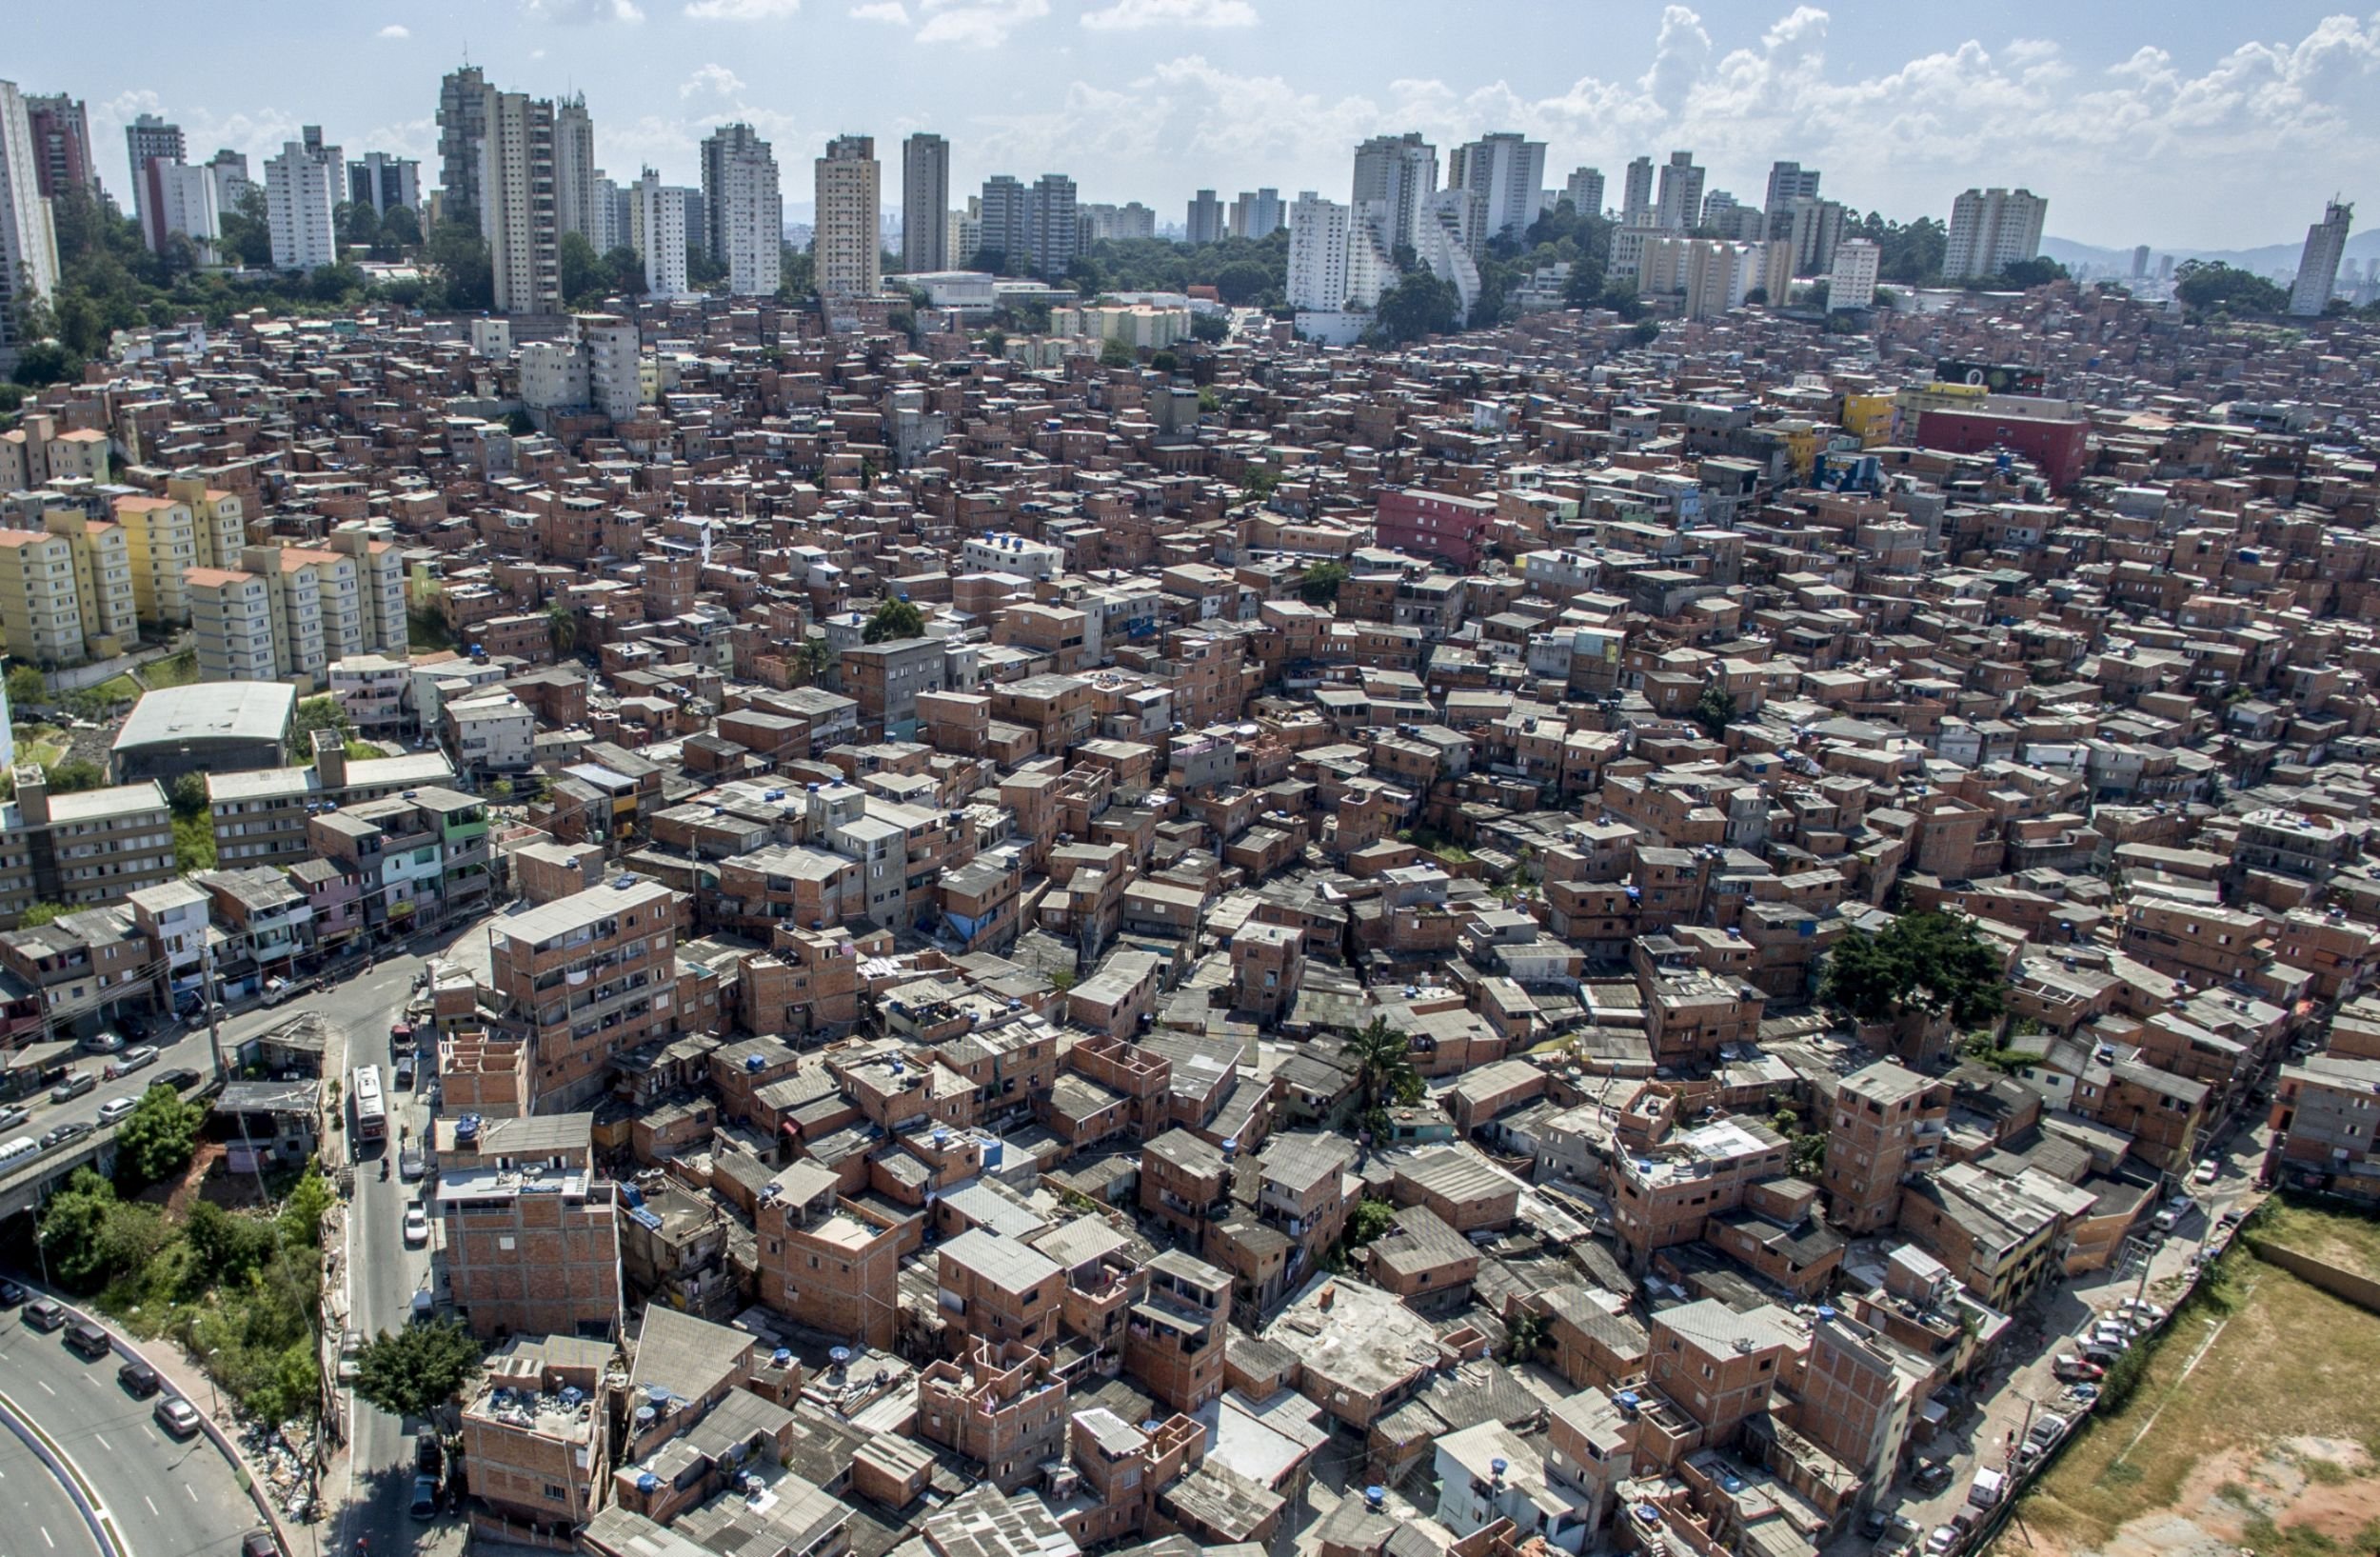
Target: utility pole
x,y
214,1007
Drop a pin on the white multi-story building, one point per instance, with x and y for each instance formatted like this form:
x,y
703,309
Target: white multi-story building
x,y
575,171
659,214
1713,275
848,258
1446,246
1052,233
1851,283
1584,191
1504,175
1204,223
2318,261
965,229
302,189
380,180
1788,183
517,215
1318,254
1400,171
29,245
150,139
743,208
1680,201
614,381
925,195
1636,198
1991,229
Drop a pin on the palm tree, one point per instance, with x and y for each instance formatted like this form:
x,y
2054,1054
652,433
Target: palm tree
x,y
812,659
1384,1071
561,628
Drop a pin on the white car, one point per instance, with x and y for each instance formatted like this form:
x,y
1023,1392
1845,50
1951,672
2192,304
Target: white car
x,y
117,1109
2207,1172
416,1227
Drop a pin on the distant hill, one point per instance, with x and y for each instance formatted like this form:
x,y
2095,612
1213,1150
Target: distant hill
x,y
2272,259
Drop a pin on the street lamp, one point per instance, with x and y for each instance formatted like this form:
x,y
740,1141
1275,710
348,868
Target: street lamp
x,y
215,1401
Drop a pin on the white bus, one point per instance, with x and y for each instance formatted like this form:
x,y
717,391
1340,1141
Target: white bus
x,y
23,1148
371,1108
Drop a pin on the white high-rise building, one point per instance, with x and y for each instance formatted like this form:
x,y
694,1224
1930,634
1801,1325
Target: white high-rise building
x,y
182,199
1681,203
743,209
1258,213
1053,232
1710,274
1814,227
574,170
229,171
964,228
608,223
925,197
515,188
1635,208
148,139
302,188
2318,261
1318,254
1584,191
381,180
1447,243
1399,173
29,245
1851,283
1788,182
610,346
1205,224
847,257
1991,229
658,213
1504,176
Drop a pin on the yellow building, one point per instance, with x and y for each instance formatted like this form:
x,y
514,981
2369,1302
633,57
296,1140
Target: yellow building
x,y
231,622
1868,418
103,580
218,521
35,453
162,539
39,614
1802,438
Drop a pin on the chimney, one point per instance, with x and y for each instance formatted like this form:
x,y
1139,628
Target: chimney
x,y
330,758
33,794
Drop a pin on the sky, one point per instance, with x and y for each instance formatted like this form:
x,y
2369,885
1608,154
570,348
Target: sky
x,y
2181,124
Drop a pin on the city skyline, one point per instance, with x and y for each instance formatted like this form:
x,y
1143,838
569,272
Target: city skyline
x,y
2177,132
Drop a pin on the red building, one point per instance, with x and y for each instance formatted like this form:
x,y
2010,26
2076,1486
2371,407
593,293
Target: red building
x,y
2043,432
1433,524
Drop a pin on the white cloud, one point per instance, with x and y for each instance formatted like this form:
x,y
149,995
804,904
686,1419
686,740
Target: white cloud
x,y
711,81
580,13
882,10
741,11
1125,15
394,32
978,24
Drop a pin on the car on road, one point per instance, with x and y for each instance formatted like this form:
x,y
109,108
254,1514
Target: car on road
x,y
139,1380
10,1293
258,1544
416,1227
410,1164
74,1130
12,1116
72,1085
350,1355
130,1061
425,1497
181,1080
88,1340
404,1071
102,1042
117,1109
2207,1172
176,1415
45,1315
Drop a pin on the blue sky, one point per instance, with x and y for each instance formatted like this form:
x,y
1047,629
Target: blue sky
x,y
2184,124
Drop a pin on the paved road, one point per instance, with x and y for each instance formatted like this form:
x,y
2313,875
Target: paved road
x,y
382,1274
169,1498
37,1519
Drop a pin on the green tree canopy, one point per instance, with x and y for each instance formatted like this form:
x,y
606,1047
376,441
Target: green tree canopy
x,y
1418,304
27,686
1384,1069
892,619
1928,961
413,1371
2205,286
156,1140
1115,352
1714,710
1320,584
315,714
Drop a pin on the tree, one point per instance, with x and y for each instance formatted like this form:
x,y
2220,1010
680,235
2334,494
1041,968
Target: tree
x,y
400,229
1525,1335
74,776
1210,327
1115,352
1242,281
1259,482
187,795
26,687
625,270
893,618
1384,1071
309,1201
812,658
156,1140
355,223
1643,332
1368,1221
1164,362
1927,961
70,1228
40,915
315,714
413,1371
247,237
2024,274
561,628
47,361
1417,305
1321,583
2209,285
1714,710
466,273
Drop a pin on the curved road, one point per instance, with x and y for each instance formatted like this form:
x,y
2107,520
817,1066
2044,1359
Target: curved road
x,y
37,1519
168,1497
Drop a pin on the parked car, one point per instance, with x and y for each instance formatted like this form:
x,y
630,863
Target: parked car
x,y
425,1497
176,1415
117,1109
181,1080
72,1085
10,1293
74,1130
1931,1475
2143,1315
2085,1395
404,1071
130,1061
430,1455
88,1340
1943,1540
416,1227
2046,1430
258,1544
410,1164
102,1042
2071,1366
140,1379
2207,1172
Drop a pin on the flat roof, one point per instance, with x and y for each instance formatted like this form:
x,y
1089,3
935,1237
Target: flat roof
x,y
216,710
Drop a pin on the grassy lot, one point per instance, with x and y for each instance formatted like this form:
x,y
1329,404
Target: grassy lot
x,y
2285,1361
122,688
42,744
2342,1240
173,670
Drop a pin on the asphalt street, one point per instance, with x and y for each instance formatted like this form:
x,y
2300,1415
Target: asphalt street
x,y
170,1497
37,1519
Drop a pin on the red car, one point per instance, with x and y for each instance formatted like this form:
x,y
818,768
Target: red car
x,y
2077,1369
